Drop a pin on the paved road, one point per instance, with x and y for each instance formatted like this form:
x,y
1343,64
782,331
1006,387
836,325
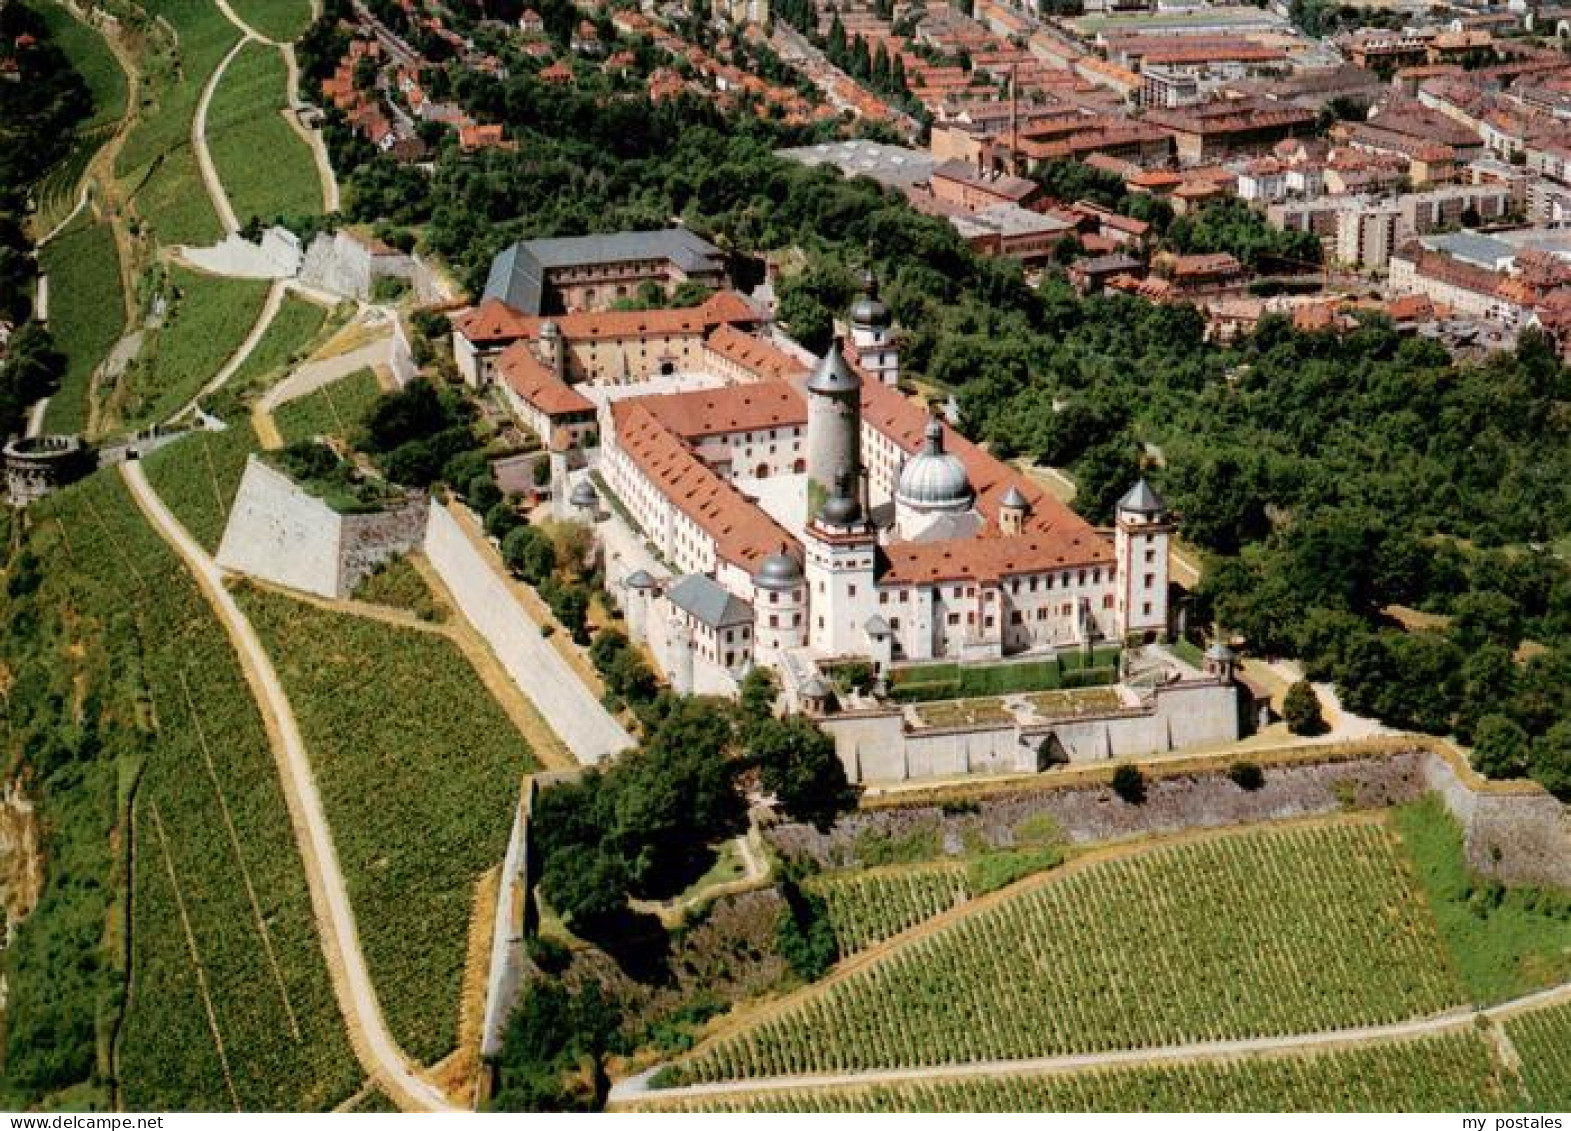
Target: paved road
x,y
635,1088
375,1047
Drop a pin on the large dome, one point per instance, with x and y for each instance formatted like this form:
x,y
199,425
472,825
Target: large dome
x,y
869,309
934,479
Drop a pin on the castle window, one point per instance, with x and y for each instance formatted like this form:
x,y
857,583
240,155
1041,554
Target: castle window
x,y
1149,579
1015,617
774,621
894,624
1096,577
1107,601
1082,579
1146,608
988,623
954,618
1150,556
883,596
1041,614
905,595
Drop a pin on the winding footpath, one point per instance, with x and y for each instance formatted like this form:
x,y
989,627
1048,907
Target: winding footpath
x,y
204,158
374,1045
635,1089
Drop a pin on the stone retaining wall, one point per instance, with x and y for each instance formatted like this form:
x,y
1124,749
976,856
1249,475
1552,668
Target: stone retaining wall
x,y
1515,833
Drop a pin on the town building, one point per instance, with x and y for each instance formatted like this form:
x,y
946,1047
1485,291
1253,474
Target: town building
x,y
592,272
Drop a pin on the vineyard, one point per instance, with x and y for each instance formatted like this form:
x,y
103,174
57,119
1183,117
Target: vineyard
x,y
1543,1041
157,163
1455,1072
1275,930
398,584
419,770
282,20
868,907
246,118
86,314
333,410
230,1002
288,338
207,320
197,478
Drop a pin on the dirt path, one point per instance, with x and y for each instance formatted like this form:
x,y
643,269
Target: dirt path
x,y
204,158
374,1045
313,138
275,299
636,1088
245,29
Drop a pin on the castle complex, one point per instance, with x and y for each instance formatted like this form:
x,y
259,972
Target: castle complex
x,y
794,512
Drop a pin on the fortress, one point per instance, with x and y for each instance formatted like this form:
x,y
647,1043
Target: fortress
x,y
772,508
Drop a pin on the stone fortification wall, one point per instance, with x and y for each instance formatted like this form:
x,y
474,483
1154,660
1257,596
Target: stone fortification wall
x,y
280,533
1513,832
365,541
878,747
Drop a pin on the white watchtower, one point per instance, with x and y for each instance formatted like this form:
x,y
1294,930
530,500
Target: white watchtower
x,y
1140,541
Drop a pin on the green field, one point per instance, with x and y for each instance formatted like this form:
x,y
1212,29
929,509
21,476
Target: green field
x,y
198,477
207,320
156,162
290,336
86,314
1543,1041
398,585
419,771
266,168
1275,930
1455,1072
1504,942
283,20
120,626
333,410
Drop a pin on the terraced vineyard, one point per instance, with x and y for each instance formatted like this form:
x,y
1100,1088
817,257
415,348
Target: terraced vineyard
x,y
86,313
282,20
1454,1072
198,477
333,410
289,337
1543,1041
868,907
206,323
419,770
157,163
1275,930
230,1003
245,119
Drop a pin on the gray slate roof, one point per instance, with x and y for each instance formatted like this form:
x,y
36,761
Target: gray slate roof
x,y
709,602
517,275
1142,499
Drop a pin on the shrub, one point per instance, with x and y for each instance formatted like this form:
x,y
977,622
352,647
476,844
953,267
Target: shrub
x,y
1301,709
1246,776
1130,784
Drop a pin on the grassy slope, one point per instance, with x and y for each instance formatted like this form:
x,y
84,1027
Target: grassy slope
x,y
86,313
156,159
1501,950
120,621
333,410
419,771
283,20
1276,930
204,326
1455,1072
266,168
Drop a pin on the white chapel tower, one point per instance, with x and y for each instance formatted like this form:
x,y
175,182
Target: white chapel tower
x,y
1140,539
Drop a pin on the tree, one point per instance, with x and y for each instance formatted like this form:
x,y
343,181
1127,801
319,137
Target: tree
x,y
1129,784
529,554
587,887
805,933
1301,709
756,701
1246,776
483,493
1551,763
798,764
1501,749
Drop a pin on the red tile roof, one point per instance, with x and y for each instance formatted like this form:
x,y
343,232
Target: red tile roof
x,y
529,377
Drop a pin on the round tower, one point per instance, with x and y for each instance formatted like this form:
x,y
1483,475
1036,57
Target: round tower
x,y
640,589
834,426
779,605
552,351
1012,511
872,334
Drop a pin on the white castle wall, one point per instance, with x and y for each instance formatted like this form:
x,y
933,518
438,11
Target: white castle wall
x,y
877,746
280,533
